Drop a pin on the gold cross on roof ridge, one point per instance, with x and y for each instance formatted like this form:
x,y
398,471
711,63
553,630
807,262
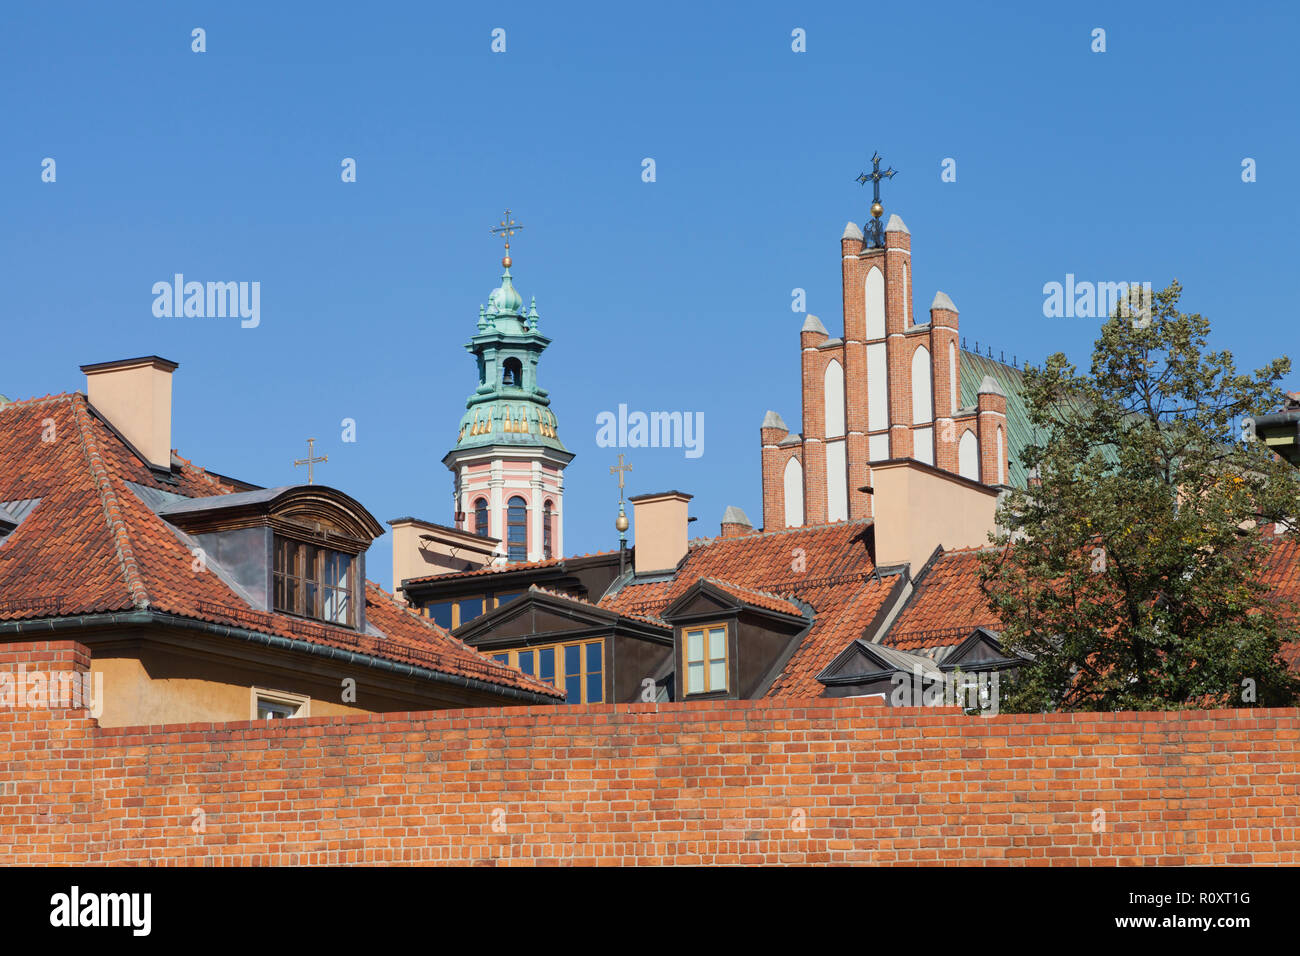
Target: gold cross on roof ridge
x,y
309,460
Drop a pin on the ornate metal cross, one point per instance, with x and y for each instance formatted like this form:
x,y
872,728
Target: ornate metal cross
x,y
505,230
618,470
309,460
875,233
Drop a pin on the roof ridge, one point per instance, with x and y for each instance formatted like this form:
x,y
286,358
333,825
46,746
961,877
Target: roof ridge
x,y
37,400
743,587
200,471
850,522
112,507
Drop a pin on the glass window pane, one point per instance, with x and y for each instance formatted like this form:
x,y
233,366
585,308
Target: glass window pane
x,y
593,656
573,659
501,658
508,597
546,664
718,675
440,613
526,661
694,646
573,691
694,678
717,643
593,689
337,606
470,608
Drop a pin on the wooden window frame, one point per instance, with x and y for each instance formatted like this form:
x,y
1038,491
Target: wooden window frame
x,y
707,661
490,603
512,658
301,579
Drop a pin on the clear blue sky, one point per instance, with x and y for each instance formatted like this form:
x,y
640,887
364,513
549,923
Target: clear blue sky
x,y
673,295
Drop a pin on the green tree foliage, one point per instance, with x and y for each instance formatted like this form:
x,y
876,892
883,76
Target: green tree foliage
x,y
1130,572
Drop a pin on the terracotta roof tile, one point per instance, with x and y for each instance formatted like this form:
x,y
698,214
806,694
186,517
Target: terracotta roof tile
x,y
647,618
757,598
827,567
508,566
946,605
92,546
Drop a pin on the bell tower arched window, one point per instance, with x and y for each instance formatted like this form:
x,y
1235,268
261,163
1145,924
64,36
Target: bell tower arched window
x,y
512,373
481,518
517,529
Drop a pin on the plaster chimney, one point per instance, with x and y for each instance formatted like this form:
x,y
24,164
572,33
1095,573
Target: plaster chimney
x,y
135,395
919,507
422,548
660,521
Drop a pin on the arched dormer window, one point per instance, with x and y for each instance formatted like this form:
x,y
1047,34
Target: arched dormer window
x,y
512,373
481,518
517,529
547,517
308,542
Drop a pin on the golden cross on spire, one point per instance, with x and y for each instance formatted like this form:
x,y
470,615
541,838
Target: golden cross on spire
x,y
309,460
618,470
505,230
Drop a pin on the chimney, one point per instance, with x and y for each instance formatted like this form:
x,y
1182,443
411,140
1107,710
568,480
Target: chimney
x,y
919,507
135,395
660,530
422,548
735,523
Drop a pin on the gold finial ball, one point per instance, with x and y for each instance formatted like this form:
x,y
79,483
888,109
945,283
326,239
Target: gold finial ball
x,y
876,210
505,261
621,522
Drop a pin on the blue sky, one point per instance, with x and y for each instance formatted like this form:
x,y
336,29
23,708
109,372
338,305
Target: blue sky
x,y
671,295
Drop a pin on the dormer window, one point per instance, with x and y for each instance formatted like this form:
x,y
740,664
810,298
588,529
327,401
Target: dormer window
x,y
705,659
312,581
299,549
512,373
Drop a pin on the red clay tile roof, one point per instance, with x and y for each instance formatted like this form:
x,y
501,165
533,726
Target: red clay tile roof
x,y
501,568
1282,576
92,545
757,598
647,618
825,566
945,606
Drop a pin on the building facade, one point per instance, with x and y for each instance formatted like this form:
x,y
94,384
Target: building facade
x,y
890,388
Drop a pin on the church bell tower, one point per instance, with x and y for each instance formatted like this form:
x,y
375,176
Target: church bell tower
x,y
508,463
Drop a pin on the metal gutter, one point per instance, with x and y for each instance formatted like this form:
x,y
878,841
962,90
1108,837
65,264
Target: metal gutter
x,y
147,617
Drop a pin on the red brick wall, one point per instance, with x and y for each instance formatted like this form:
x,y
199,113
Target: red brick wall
x,y
819,782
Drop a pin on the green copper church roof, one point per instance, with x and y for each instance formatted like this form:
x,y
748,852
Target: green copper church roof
x,y
974,367
508,407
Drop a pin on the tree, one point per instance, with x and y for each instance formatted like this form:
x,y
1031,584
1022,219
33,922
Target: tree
x,y
1130,572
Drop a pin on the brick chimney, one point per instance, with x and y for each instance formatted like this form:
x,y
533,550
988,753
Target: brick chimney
x,y
660,527
735,523
135,396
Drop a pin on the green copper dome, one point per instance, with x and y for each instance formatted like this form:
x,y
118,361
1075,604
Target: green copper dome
x,y
508,407
505,300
